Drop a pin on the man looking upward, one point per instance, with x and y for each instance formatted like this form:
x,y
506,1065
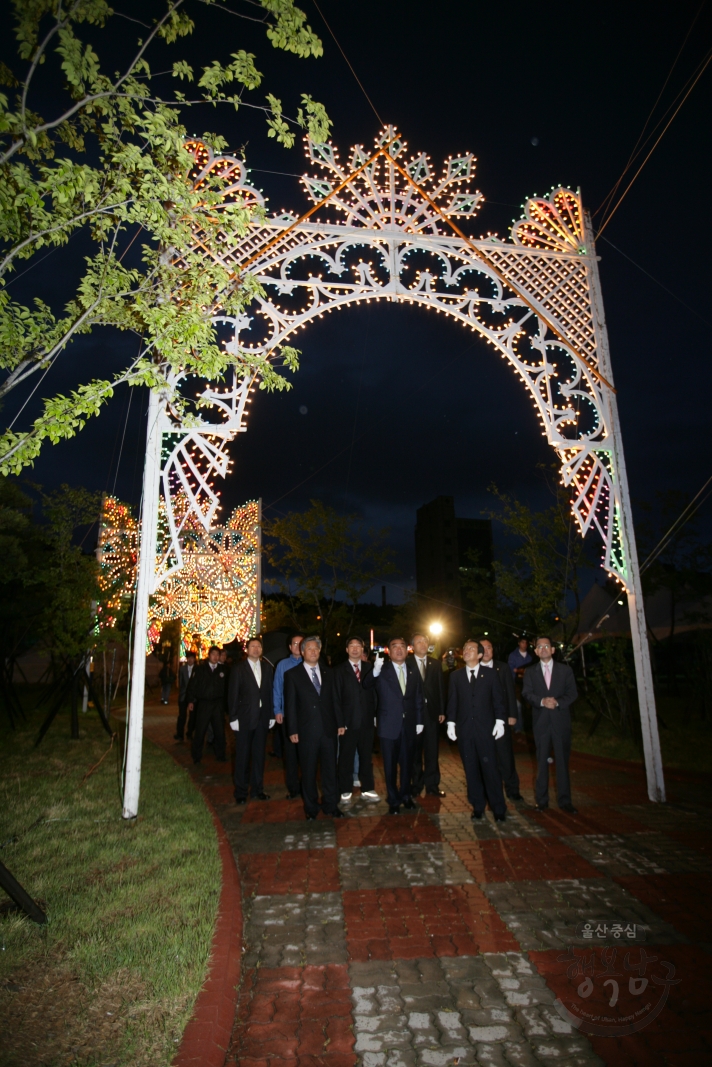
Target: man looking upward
x,y
550,688
475,719
426,767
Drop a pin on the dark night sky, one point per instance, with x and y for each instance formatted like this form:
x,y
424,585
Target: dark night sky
x,y
430,408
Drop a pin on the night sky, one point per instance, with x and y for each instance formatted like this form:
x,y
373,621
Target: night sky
x,y
395,405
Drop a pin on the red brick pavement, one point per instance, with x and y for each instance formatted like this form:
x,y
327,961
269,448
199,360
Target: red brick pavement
x,y
422,921
301,1016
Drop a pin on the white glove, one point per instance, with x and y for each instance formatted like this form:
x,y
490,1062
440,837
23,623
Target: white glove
x,y
451,731
235,724
498,729
377,665
419,729
271,723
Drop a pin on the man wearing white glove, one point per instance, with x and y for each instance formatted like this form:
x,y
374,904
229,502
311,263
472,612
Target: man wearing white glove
x,y
399,689
476,714
249,708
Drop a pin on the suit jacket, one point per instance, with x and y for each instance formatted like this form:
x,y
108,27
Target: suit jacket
x,y
308,713
183,679
433,688
474,707
506,680
397,711
563,686
207,686
247,702
357,706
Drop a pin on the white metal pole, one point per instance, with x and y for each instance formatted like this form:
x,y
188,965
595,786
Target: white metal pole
x,y
636,608
144,587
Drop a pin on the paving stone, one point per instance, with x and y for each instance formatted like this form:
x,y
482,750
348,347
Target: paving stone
x,y
289,931
281,837
545,914
296,871
538,858
460,826
619,855
394,1010
680,899
387,830
377,867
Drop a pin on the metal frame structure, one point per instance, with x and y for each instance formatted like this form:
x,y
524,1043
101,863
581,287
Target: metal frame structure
x,y
388,225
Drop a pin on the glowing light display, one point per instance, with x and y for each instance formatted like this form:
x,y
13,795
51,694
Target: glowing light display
x,y
117,552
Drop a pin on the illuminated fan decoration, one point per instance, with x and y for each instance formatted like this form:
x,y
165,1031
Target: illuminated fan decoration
x,y
117,553
216,591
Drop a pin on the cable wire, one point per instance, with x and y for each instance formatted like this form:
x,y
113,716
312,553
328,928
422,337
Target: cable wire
x,y
679,523
382,123
654,279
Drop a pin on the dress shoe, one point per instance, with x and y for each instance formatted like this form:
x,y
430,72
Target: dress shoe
x,y
516,797
477,815
394,810
261,796
335,814
435,793
311,818
542,807
177,737
293,796
569,808
500,818
410,805
240,800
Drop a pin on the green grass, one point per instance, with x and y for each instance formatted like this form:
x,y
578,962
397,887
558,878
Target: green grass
x,y
112,977
685,738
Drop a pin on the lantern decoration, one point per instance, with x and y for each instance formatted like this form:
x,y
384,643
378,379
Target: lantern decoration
x,y
117,552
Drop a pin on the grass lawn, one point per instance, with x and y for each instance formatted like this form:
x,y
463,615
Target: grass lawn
x,y
685,739
112,977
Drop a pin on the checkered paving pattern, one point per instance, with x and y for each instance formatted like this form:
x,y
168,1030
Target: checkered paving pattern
x,y
427,940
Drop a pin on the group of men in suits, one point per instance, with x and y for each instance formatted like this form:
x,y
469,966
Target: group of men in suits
x,y
329,716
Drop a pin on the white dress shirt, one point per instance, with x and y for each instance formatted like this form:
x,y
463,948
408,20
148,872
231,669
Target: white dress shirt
x,y
257,671
309,670
472,670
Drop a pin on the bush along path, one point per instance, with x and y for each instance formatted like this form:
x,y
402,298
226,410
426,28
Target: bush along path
x,y
427,939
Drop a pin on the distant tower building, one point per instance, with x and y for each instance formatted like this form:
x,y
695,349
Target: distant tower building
x,y
443,543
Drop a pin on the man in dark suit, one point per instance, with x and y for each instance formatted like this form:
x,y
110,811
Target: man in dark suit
x,y
400,719
426,767
475,719
206,695
184,672
550,688
312,723
357,710
504,747
249,709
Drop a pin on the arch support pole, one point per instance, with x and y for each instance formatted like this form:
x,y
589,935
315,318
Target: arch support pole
x,y
145,581
636,608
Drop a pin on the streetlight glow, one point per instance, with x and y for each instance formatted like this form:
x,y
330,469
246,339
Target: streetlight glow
x,y
436,628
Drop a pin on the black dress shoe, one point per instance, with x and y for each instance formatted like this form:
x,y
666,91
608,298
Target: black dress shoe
x,y
293,796
394,810
477,815
515,797
311,818
335,814
410,805
240,800
542,807
436,793
569,808
500,818
177,737
261,796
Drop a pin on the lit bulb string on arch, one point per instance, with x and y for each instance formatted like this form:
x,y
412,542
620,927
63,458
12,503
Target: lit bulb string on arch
x,y
117,553
387,227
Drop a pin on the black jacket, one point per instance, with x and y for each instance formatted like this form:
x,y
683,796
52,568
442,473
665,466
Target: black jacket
x,y
308,713
356,705
433,688
247,702
563,686
207,685
397,711
474,707
506,680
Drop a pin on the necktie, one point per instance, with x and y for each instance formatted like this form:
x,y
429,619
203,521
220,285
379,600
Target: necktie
x,y
421,665
473,677
357,672
315,679
547,675
401,678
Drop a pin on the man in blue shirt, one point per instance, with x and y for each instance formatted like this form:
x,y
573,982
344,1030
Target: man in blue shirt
x,y
291,761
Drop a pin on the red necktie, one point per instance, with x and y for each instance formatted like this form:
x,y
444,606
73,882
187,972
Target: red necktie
x,y
357,672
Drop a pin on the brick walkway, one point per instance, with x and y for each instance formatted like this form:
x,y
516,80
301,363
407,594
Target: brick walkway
x,y
425,939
